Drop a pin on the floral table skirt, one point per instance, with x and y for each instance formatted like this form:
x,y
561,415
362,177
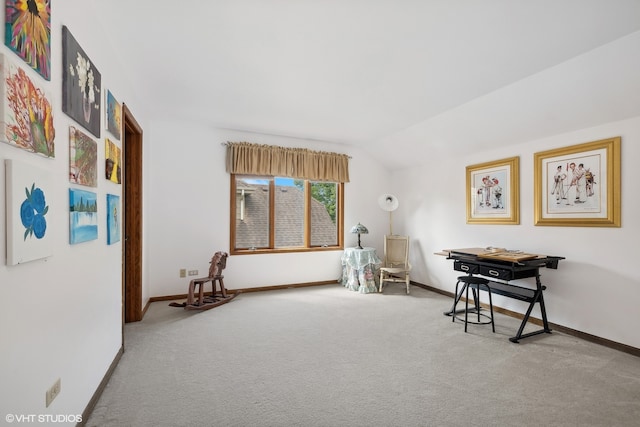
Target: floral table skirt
x,y
363,280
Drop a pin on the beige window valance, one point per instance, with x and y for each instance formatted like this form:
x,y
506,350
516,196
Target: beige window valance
x,y
269,160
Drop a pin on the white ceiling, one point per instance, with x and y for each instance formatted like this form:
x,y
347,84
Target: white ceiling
x,y
421,77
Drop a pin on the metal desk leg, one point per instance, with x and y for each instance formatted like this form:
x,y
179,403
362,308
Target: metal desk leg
x,y
536,298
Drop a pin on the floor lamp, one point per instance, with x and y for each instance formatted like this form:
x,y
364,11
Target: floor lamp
x,y
389,203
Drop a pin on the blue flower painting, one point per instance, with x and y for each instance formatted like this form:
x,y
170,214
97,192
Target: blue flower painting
x,y
32,212
29,223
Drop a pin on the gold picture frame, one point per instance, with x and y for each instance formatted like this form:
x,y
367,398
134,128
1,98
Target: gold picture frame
x,y
493,195
578,185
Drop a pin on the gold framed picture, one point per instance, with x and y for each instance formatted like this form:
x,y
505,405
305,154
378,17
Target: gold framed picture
x,y
493,192
578,185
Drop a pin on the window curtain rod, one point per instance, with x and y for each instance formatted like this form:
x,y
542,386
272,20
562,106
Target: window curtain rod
x,y
246,158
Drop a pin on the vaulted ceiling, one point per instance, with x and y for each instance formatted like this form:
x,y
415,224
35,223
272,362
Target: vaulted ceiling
x,y
399,78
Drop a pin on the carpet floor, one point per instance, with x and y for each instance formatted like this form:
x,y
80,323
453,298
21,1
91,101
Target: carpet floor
x,y
326,356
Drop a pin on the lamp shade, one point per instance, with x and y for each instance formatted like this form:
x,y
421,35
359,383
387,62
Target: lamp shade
x,y
359,229
388,202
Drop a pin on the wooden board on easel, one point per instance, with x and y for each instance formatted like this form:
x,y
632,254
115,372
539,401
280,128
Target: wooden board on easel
x,y
496,254
509,256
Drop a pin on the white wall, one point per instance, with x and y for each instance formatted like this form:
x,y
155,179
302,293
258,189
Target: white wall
x,y
187,213
595,290
61,317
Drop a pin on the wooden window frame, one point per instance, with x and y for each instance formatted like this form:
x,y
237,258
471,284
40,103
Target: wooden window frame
x,y
307,215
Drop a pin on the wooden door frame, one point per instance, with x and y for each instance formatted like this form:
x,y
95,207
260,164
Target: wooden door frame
x,y
132,219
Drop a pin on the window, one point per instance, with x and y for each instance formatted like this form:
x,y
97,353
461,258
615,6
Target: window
x,y
272,214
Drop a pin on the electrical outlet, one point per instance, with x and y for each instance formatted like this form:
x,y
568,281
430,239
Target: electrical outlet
x,y
193,272
183,272
53,392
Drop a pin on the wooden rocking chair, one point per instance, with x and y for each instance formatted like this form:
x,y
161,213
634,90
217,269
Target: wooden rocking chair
x,y
216,298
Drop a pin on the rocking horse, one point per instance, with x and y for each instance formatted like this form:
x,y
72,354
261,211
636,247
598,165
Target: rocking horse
x,y
206,302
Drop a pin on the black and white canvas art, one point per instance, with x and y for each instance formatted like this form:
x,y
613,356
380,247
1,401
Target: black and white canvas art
x,y
80,85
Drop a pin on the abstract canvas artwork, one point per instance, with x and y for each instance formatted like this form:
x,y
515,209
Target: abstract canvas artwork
x,y
113,219
27,32
83,216
112,161
28,193
80,85
83,158
114,114
26,115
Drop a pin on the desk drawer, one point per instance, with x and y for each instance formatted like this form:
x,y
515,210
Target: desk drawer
x,y
496,273
506,274
466,268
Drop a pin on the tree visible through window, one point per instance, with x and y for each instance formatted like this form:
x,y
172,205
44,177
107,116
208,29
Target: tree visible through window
x,y
281,214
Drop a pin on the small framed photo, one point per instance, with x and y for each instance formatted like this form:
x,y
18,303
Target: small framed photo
x,y
578,185
493,192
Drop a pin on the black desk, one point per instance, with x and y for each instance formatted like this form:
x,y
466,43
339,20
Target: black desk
x,y
500,270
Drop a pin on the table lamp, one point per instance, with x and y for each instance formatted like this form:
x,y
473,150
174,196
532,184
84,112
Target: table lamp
x,y
359,229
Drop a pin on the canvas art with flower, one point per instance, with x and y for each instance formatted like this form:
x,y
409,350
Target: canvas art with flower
x,y
28,212
26,112
28,32
86,82
32,212
81,85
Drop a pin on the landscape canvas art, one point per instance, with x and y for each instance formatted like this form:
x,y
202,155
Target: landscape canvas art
x,y
83,158
26,114
28,193
114,115
83,216
81,85
113,219
27,32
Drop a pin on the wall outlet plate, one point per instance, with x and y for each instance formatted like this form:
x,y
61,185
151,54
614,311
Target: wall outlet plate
x,y
183,272
53,392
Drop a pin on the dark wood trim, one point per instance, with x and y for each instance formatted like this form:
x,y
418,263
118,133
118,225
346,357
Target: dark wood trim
x,y
132,218
146,307
103,384
280,287
340,215
307,213
272,213
573,332
597,340
246,290
233,212
285,251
